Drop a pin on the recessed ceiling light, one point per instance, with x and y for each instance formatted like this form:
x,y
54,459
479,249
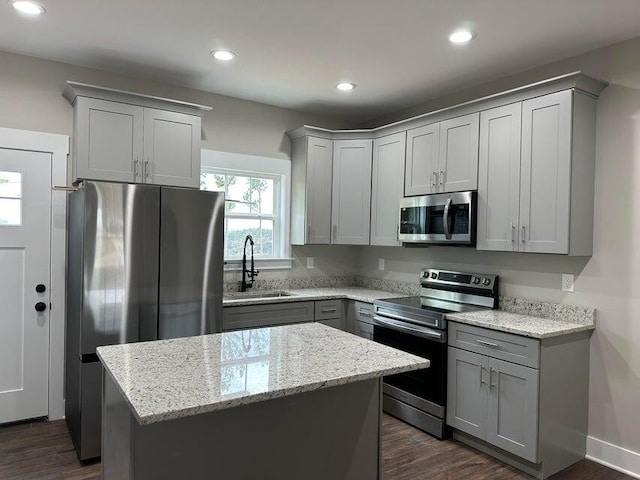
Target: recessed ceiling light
x,y
461,36
30,8
224,55
345,86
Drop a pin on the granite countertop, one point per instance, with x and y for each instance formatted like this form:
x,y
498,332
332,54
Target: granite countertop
x,y
526,325
170,379
306,294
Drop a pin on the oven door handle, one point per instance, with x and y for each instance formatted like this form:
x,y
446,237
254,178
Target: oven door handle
x,y
410,329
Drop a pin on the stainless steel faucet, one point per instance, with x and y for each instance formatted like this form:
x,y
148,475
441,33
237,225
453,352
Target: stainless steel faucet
x,y
248,276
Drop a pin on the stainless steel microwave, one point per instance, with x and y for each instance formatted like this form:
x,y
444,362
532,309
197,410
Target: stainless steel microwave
x,y
439,219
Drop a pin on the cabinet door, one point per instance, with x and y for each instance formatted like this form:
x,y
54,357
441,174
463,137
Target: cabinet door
x,y
513,409
319,178
171,148
387,184
458,159
499,178
546,173
467,391
421,166
364,330
108,143
351,197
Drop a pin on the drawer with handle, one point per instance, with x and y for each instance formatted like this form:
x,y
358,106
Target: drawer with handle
x,y
504,346
363,312
329,309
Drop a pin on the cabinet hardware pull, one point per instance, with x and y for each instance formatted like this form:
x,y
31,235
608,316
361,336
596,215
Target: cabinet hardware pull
x,y
364,313
482,369
488,344
524,229
491,384
434,179
328,309
513,233
442,174
398,232
135,168
146,169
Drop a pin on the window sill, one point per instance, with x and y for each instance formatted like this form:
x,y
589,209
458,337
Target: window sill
x,y
260,263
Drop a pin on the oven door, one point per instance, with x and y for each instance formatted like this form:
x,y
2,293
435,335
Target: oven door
x,y
424,389
439,219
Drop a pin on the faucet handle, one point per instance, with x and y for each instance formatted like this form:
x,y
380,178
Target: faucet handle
x,y
255,273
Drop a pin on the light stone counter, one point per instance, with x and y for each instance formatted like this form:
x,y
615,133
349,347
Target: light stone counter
x,y
526,325
306,294
171,379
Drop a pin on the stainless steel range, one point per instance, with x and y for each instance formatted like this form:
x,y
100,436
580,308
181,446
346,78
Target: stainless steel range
x,y
418,325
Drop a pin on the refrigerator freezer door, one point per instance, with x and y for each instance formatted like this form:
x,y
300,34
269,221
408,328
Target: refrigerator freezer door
x,y
191,262
120,294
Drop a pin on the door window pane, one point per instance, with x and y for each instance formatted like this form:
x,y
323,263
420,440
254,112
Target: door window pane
x,y
237,230
10,212
10,198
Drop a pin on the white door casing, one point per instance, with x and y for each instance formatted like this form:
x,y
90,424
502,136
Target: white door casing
x,y
24,263
56,149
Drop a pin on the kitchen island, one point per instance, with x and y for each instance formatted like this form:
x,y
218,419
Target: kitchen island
x,y
288,402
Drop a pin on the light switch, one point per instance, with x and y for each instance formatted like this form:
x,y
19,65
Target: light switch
x,y
310,263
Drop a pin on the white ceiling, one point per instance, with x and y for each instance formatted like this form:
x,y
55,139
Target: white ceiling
x,y
291,53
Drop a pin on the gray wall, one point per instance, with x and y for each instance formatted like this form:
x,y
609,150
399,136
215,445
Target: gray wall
x,y
610,279
31,99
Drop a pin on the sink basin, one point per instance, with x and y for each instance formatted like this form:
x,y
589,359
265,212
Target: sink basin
x,y
253,295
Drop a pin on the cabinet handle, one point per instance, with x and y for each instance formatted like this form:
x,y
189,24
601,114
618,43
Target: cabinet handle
x,y
524,230
442,175
146,169
434,179
491,384
135,168
488,344
513,233
364,313
328,309
482,369
398,232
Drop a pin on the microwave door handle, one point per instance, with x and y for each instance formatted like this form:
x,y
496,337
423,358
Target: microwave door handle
x,y
445,219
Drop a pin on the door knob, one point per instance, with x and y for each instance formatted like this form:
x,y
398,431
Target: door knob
x,y
41,307
40,288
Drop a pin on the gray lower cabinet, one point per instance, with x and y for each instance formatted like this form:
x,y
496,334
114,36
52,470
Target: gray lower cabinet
x,y
331,313
520,398
360,319
266,315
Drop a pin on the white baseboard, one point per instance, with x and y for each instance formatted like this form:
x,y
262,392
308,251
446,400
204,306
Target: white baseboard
x,y
613,456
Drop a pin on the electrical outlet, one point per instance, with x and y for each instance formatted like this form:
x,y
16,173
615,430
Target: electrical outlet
x,y
381,264
567,282
310,263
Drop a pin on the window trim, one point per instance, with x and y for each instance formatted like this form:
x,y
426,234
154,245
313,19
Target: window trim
x,y
265,167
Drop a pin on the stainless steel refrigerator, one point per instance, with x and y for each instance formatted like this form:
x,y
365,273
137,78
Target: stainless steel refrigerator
x,y
144,263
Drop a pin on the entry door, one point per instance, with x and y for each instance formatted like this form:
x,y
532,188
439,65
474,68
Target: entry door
x,y
25,197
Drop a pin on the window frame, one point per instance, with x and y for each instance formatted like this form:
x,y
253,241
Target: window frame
x,y
278,170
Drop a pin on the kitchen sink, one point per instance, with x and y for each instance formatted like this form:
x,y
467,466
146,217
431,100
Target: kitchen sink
x,y
258,294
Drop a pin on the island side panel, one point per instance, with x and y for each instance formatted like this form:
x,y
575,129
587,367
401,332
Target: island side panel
x,y
325,434
117,433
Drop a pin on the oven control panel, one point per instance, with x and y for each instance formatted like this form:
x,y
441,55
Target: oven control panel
x,y
430,276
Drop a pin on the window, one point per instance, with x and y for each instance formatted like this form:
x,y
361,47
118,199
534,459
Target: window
x,y
10,199
257,204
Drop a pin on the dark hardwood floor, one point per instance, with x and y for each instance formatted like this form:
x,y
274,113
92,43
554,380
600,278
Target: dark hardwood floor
x,y
43,451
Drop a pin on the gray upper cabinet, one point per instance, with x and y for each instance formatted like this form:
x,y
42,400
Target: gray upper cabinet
x,y
421,168
311,175
458,159
126,137
536,175
387,182
499,178
351,194
107,140
171,148
443,157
